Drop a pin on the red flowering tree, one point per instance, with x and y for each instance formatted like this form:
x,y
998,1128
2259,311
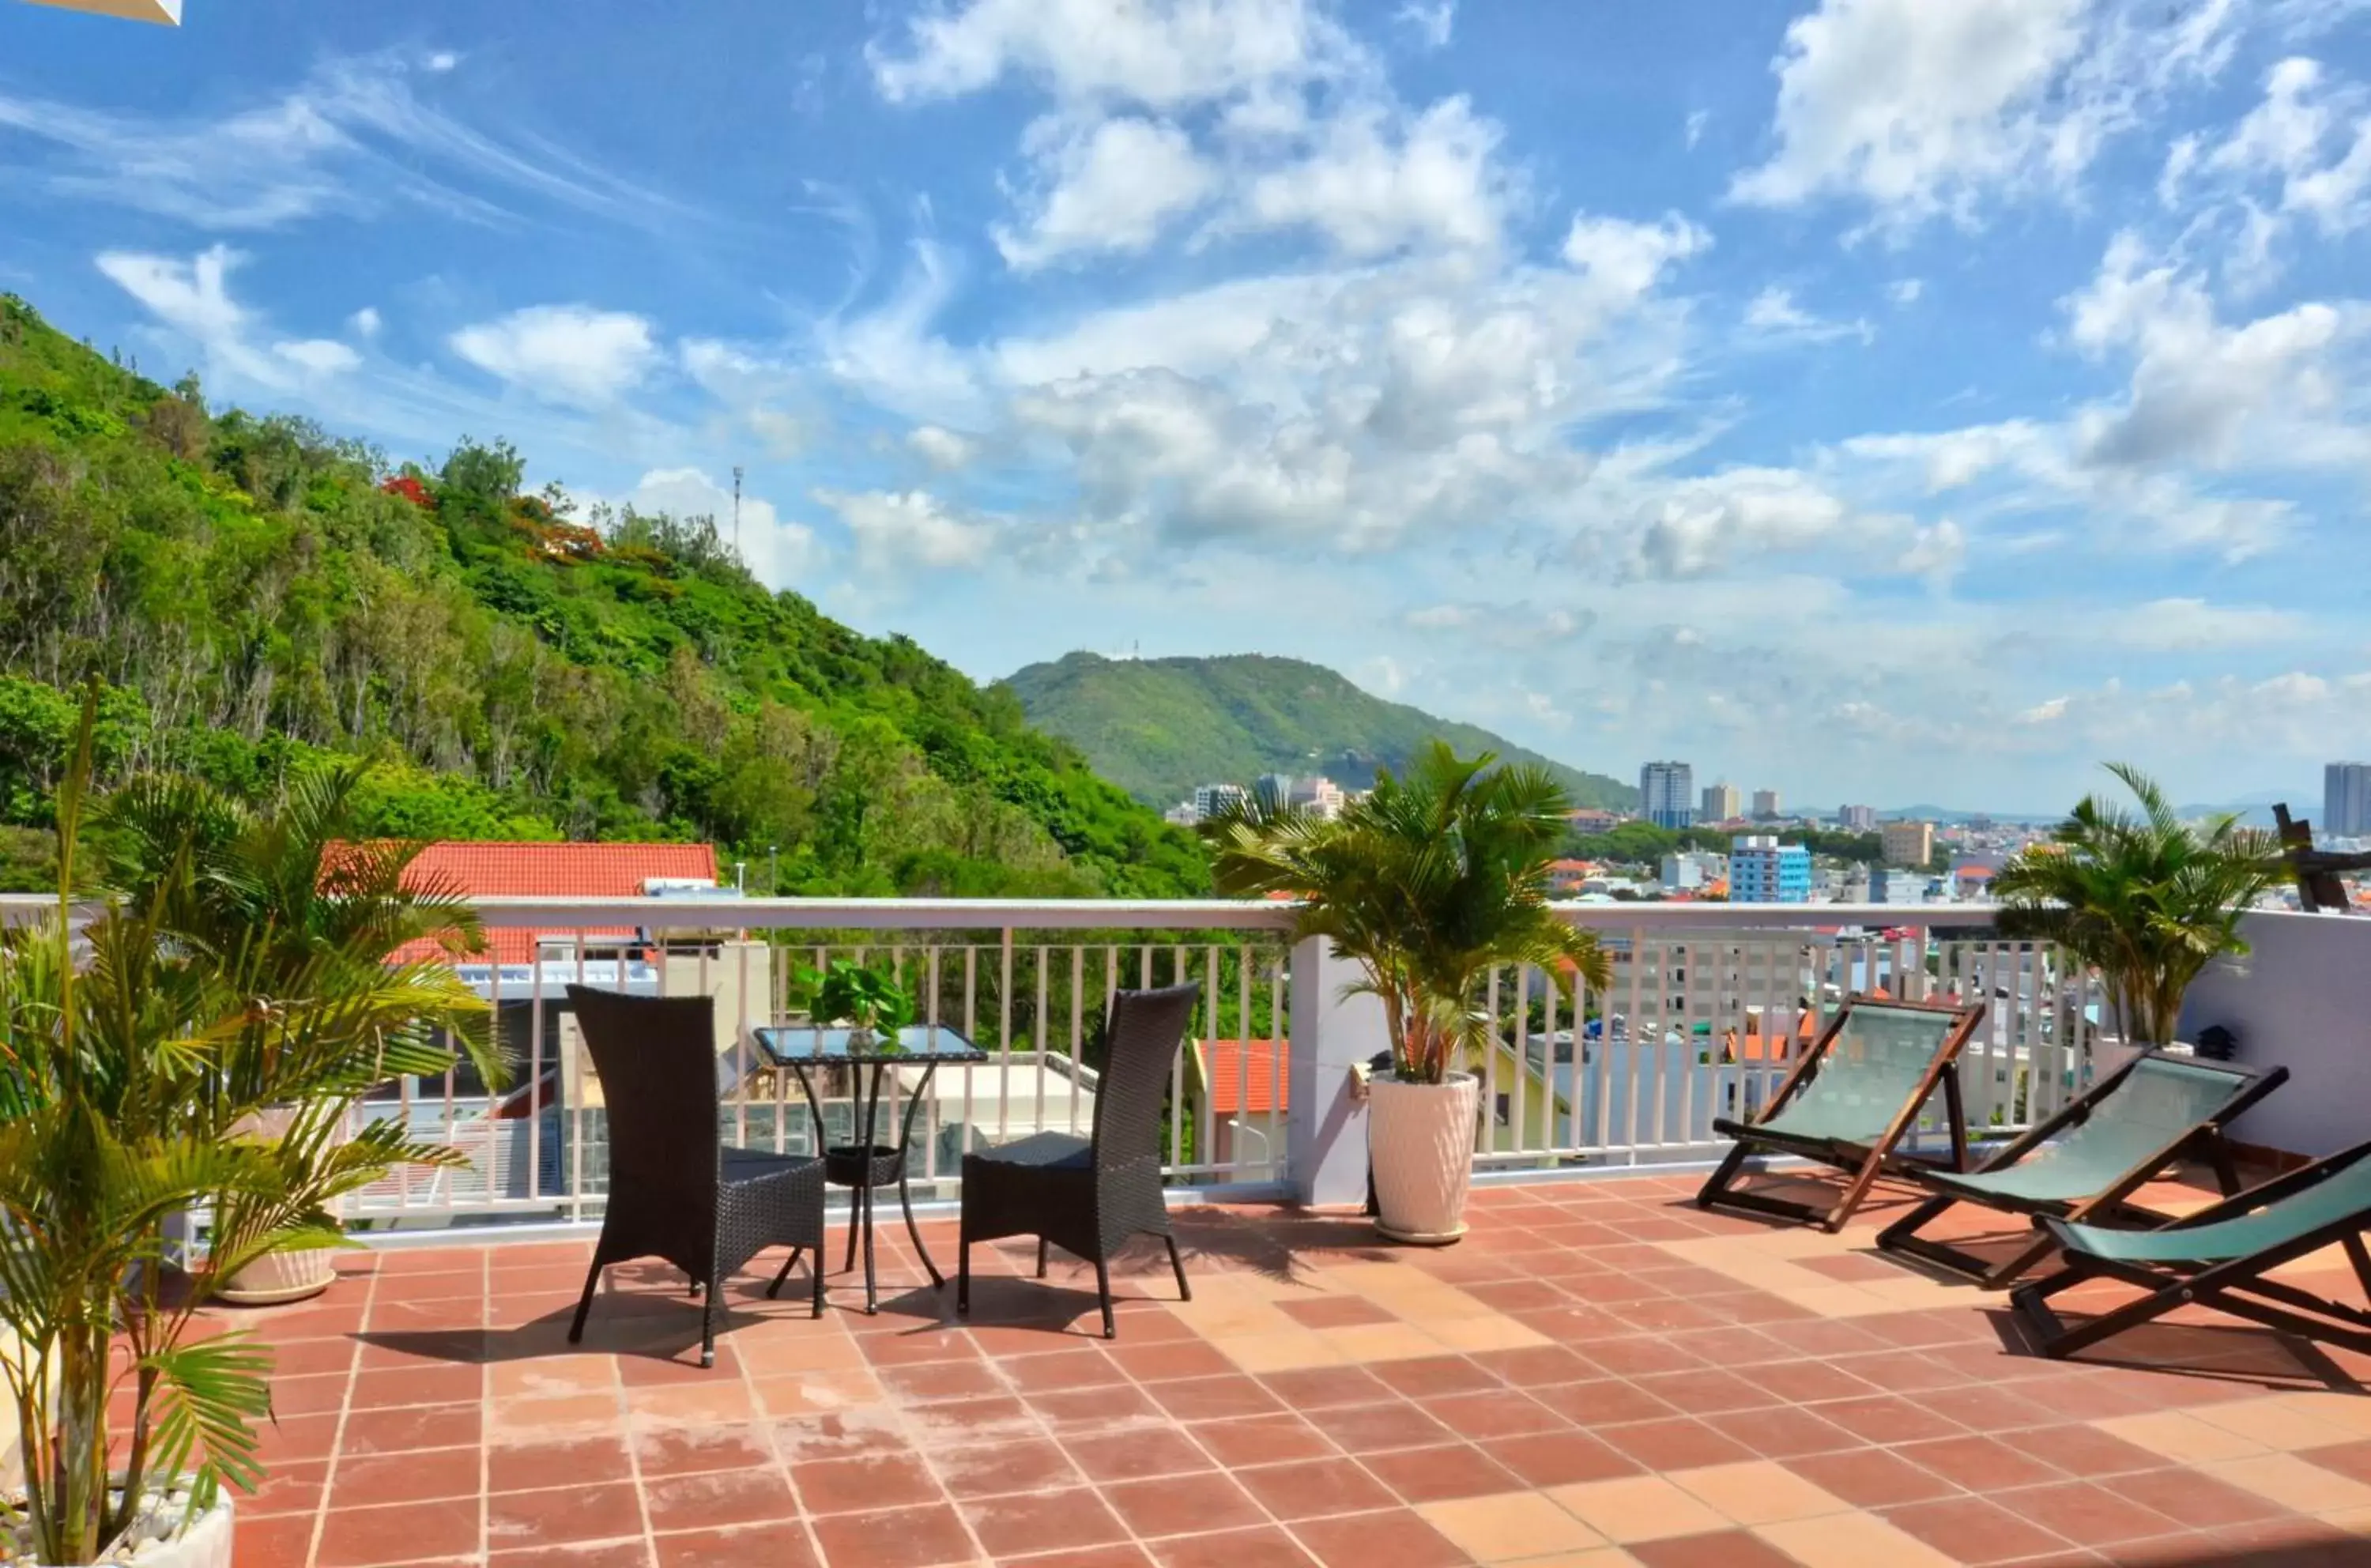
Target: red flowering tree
x,y
409,487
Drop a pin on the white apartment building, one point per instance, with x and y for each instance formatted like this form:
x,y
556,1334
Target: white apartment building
x,y
1666,794
1210,799
1722,802
1766,805
2346,800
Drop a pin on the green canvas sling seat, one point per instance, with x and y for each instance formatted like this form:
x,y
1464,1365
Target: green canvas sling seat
x,y
2086,1163
2222,1257
1850,1099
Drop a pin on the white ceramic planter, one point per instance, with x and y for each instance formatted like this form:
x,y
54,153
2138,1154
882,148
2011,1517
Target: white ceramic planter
x,y
203,1542
1420,1141
281,1276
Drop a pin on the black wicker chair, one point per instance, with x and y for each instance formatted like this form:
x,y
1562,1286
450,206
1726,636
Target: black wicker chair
x,y
676,1191
1088,1196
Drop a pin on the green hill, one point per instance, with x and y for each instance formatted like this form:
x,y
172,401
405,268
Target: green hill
x,y
1158,727
256,593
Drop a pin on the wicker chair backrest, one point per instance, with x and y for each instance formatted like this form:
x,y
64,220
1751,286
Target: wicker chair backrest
x,y
1141,1038
656,1060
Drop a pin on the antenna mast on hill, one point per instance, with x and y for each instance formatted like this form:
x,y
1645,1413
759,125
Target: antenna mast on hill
x,y
736,509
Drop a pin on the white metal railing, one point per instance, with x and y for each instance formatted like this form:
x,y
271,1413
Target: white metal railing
x,y
1707,1002
1632,1075
1026,981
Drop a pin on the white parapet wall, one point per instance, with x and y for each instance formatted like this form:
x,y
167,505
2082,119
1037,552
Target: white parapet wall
x,y
2301,999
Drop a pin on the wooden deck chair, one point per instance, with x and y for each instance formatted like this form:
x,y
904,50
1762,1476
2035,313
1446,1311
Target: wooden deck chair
x,y
1850,1099
2221,1257
2084,1163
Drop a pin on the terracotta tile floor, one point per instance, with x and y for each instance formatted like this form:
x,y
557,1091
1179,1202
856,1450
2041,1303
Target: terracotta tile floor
x,y
1599,1375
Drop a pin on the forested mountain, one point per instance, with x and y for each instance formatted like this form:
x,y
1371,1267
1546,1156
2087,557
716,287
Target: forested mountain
x,y
1158,727
255,594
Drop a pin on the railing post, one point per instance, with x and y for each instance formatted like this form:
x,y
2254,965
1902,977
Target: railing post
x,y
1332,1036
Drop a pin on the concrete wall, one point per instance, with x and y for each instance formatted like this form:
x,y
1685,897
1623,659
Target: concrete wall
x,y
2302,999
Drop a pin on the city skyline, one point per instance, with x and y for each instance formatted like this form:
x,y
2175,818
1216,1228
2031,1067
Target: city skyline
x,y
1600,380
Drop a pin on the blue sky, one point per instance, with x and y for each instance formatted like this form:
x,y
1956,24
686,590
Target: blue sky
x,y
1880,400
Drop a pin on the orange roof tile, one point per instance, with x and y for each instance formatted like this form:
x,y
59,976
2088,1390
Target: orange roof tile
x,y
479,870
1244,1076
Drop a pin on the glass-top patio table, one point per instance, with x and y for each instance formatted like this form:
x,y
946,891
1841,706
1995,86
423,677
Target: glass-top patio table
x,y
865,1165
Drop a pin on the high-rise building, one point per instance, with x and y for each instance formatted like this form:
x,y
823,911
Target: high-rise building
x,y
1317,795
1210,799
1907,842
1857,819
1666,794
2346,800
1721,804
1765,805
1763,871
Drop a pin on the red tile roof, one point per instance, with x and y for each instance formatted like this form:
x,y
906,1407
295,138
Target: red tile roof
x,y
1244,1076
552,870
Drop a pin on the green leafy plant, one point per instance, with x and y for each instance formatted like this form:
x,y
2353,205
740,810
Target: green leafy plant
x,y
2146,898
859,995
1428,883
245,962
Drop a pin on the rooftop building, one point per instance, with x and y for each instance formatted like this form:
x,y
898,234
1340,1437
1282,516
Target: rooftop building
x,y
1763,871
1907,842
1666,794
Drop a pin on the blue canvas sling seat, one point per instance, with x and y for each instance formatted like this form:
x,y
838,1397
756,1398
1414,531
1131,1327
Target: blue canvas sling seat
x,y
1850,1099
2084,1163
2222,1257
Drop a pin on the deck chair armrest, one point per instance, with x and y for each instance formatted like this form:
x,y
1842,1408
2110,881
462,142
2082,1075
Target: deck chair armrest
x,y
2274,1190
2261,1084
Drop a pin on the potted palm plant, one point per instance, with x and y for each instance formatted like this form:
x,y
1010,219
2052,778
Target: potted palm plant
x,y
140,1041
1428,883
290,903
2144,898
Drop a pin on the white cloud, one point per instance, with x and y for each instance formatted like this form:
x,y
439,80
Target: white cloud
x,y
1693,527
898,531
1374,180
442,60
365,322
1355,410
353,138
1430,20
1771,315
563,353
1629,258
2198,384
1905,291
2192,624
941,449
1111,186
1692,132
2302,152
1162,55
780,552
193,298
1923,111
320,356
1936,554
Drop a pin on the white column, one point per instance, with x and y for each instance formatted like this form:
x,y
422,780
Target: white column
x,y
1332,1036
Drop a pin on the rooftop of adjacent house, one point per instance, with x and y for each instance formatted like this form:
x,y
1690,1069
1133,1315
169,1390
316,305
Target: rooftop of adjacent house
x,y
1246,1078
477,869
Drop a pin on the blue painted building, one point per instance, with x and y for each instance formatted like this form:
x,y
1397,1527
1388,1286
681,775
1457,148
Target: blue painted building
x,y
1763,871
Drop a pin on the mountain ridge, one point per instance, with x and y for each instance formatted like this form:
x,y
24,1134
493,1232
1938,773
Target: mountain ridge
x,y
261,595
1159,727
